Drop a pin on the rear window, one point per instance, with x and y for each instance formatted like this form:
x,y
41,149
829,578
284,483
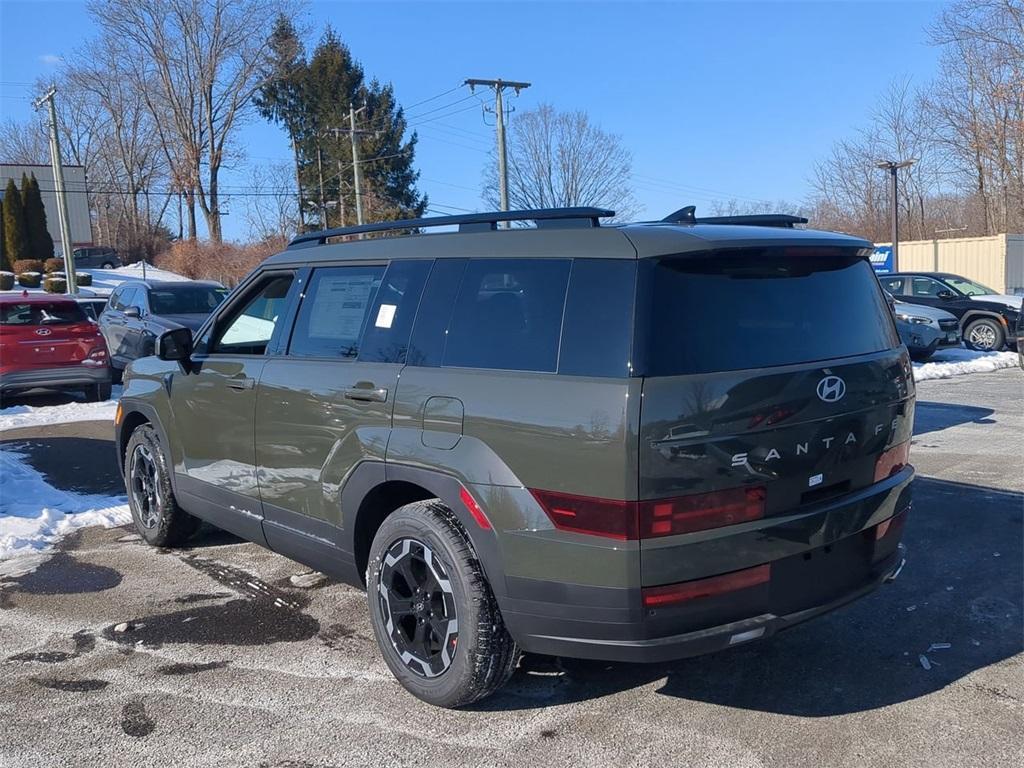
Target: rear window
x,y
37,313
185,300
759,308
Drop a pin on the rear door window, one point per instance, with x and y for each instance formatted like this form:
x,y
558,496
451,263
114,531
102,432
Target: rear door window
x,y
335,311
389,323
758,308
508,315
926,287
893,285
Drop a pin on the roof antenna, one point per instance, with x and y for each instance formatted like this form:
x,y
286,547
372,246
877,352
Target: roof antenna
x,y
685,215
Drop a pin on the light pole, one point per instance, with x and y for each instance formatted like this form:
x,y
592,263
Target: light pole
x,y
893,166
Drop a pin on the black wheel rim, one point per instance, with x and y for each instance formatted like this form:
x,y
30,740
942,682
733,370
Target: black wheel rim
x,y
145,487
418,607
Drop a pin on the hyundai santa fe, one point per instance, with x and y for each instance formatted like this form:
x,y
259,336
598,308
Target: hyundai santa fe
x,y
628,442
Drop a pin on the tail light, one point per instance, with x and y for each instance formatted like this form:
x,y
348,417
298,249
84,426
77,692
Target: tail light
x,y
892,461
657,597
627,520
97,357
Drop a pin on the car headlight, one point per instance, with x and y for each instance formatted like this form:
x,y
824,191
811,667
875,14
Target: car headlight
x,y
913,319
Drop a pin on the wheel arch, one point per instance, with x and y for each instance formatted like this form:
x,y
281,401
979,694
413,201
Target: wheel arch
x,y
977,314
375,490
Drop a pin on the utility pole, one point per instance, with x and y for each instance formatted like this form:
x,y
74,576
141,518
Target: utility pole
x,y
893,166
320,173
357,174
499,115
58,185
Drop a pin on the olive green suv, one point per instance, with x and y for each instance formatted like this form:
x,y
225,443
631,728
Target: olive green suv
x,y
628,442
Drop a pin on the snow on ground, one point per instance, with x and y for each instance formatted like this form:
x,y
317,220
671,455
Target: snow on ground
x,y
39,415
104,281
34,515
947,363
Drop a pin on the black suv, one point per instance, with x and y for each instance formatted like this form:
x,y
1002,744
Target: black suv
x,y
988,320
630,442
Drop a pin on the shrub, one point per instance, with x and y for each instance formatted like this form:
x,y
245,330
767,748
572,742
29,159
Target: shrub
x,y
29,279
53,265
225,262
27,265
6,281
83,278
55,285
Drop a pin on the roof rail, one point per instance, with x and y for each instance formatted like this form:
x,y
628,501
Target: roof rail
x,y
467,222
688,215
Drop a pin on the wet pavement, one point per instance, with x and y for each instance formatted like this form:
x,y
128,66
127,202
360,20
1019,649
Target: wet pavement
x,y
115,652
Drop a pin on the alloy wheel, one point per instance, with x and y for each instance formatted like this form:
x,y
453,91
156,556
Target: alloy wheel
x,y
145,487
982,336
418,606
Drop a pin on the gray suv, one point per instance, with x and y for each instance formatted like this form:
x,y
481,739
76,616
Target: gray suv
x,y
633,442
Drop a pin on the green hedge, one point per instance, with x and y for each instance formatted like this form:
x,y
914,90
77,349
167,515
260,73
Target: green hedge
x,y
83,278
29,279
55,285
6,281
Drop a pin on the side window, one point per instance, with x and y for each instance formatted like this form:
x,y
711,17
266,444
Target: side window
x,y
508,315
893,285
386,339
249,325
114,302
598,329
126,297
140,298
925,286
335,311
426,347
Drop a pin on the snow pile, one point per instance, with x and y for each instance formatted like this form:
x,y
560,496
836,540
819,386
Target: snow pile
x,y
38,415
34,514
955,362
104,281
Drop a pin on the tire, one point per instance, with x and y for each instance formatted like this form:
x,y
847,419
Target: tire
x,y
98,393
922,356
116,375
156,514
108,265
424,541
985,335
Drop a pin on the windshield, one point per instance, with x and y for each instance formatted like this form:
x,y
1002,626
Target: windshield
x,y
759,308
38,313
968,287
185,299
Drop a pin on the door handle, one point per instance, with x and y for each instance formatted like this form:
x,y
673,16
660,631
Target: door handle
x,y
369,394
241,382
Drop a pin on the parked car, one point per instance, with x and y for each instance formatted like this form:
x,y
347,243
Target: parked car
x,y
48,342
1020,339
924,329
140,310
96,257
93,305
988,320
454,421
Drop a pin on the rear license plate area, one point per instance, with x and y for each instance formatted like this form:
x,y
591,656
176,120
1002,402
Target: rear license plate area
x,y
820,575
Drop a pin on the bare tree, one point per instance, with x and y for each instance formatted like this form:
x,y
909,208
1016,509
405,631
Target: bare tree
x,y
272,202
197,64
24,143
559,159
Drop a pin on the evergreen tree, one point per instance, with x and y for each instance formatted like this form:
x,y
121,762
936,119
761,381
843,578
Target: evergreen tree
x,y
40,244
5,265
15,242
312,100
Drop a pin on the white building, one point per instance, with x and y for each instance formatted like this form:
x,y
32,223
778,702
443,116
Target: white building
x,y
76,187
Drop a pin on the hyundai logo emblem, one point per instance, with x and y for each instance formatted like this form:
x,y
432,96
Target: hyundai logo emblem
x,y
43,331
831,389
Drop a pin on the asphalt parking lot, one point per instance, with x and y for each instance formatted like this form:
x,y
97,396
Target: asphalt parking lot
x,y
113,652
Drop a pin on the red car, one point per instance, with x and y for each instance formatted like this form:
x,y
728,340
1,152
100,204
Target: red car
x,y
48,342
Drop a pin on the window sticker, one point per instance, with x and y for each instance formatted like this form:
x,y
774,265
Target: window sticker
x,y
386,315
340,305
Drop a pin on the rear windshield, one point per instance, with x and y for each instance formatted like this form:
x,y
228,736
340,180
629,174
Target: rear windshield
x,y
760,308
185,299
38,313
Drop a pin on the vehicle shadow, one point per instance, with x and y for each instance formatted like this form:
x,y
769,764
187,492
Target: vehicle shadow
x,y
934,417
962,585
86,465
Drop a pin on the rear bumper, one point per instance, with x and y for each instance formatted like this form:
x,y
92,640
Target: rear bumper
x,y
820,560
54,378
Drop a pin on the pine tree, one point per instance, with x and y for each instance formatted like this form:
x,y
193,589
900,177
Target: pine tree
x,y
5,265
15,242
40,244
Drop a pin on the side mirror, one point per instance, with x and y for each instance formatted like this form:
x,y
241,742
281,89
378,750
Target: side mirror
x,y
174,345
946,295
132,312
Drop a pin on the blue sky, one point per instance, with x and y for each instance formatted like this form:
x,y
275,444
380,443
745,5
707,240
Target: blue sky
x,y
715,100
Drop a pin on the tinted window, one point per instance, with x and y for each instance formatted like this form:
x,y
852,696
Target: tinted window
x,y
426,348
386,339
335,311
759,308
598,327
117,298
925,286
508,315
893,285
127,297
249,326
39,313
185,299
